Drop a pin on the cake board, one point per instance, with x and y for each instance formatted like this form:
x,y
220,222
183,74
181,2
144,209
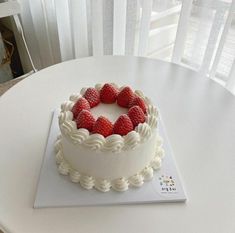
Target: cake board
x,y
55,190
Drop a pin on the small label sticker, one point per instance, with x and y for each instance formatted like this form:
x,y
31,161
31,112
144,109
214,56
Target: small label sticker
x,y
167,184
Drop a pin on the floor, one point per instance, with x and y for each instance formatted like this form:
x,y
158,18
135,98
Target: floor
x,y
7,85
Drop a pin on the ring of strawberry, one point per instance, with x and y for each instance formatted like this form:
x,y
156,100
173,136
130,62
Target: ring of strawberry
x,y
109,94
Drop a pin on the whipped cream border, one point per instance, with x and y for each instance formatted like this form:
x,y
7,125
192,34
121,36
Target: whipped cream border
x,y
114,143
121,184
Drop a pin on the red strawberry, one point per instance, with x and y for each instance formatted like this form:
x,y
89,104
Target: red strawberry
x,y
125,97
85,120
108,94
136,115
139,102
123,125
92,96
80,105
103,126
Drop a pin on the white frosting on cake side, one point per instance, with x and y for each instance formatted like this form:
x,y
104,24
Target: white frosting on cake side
x,y
120,184
108,164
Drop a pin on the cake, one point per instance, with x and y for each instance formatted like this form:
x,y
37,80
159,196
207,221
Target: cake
x,y
109,138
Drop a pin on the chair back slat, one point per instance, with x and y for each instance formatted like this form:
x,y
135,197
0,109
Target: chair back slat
x,y
144,27
97,27
64,29
197,34
222,41
181,31
212,41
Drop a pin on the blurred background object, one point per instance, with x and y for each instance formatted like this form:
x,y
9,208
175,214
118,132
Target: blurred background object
x,y
5,58
9,55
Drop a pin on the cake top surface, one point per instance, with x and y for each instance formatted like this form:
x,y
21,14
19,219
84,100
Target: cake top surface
x,y
111,111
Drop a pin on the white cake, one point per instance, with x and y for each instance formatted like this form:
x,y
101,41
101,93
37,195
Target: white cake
x,y
115,161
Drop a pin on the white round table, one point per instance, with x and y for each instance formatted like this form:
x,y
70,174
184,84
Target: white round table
x,y
199,117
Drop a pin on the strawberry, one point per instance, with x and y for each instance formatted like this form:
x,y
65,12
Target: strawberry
x,y
103,126
123,125
80,105
139,102
125,97
108,94
92,96
85,120
136,115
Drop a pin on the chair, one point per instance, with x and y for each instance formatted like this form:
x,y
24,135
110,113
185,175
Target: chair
x,y
12,8
215,41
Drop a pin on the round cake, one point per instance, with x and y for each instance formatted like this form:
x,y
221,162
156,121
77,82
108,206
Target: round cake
x,y
109,138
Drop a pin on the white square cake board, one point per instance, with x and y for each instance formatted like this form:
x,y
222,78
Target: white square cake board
x,y
55,190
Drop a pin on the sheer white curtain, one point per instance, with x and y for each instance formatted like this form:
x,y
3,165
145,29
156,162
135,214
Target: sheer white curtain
x,y
199,34
59,30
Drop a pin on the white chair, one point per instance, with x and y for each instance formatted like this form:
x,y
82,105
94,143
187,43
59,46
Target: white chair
x,y
12,8
207,50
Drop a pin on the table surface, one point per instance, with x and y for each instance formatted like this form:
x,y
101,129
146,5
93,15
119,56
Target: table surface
x,y
199,117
